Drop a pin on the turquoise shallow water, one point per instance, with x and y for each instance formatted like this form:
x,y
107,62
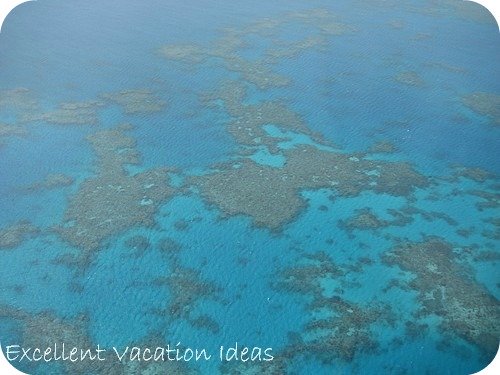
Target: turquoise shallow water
x,y
398,73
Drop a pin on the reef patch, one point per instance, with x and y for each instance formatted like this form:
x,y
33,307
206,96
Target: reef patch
x,y
449,291
138,101
112,200
271,196
484,103
12,236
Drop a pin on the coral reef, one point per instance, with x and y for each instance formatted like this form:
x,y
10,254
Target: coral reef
x,y
186,53
259,72
181,225
51,181
43,330
385,147
409,211
18,100
138,244
248,121
494,233
398,179
305,277
292,49
256,72
445,66
12,236
250,189
487,256
397,24
77,113
343,328
271,196
11,131
364,219
113,200
205,322
490,200
447,289
186,288
343,335
485,104
137,101
409,78
473,173
169,246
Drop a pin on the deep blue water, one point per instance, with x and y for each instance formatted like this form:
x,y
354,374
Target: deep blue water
x,y
69,51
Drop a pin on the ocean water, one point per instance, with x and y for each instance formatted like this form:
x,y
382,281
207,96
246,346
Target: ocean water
x,y
341,259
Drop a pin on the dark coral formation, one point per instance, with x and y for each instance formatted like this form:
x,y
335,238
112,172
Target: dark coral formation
x,y
259,72
385,147
181,225
448,290
77,113
487,256
43,330
51,181
138,101
289,50
305,278
346,333
138,244
248,121
113,200
18,100
490,200
344,328
397,24
364,219
494,232
205,322
7,131
397,179
15,102
445,66
415,330
485,104
256,72
183,52
473,173
187,288
252,190
133,101
409,78
169,246
407,213
13,235
271,196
